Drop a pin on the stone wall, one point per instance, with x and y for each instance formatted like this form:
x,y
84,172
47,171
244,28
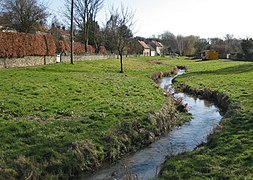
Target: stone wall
x,y
26,61
84,58
42,60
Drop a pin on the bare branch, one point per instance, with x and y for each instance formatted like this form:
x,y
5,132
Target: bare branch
x,y
85,15
119,30
24,15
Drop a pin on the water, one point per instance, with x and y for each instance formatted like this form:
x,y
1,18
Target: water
x,y
145,164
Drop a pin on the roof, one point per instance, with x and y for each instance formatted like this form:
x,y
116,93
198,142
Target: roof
x,y
64,32
151,47
61,30
158,44
143,44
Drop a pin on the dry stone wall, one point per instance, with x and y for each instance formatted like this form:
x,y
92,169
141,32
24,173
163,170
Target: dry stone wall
x,y
43,60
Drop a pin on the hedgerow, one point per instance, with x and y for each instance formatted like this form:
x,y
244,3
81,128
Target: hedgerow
x,y
14,45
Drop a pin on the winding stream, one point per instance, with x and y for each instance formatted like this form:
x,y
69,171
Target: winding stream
x,y
145,164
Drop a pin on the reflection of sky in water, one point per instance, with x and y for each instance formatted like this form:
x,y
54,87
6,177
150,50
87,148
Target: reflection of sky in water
x,y
146,162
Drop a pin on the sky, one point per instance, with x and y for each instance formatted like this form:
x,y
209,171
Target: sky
x,y
203,18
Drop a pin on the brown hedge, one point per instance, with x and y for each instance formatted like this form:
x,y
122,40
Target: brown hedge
x,y
22,44
79,48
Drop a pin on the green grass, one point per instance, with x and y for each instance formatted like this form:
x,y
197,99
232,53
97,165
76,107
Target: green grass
x,y
54,120
229,154
58,120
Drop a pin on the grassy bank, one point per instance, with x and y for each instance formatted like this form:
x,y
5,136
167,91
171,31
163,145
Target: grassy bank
x,y
62,119
229,154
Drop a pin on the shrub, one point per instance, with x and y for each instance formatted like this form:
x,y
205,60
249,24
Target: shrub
x,y
79,48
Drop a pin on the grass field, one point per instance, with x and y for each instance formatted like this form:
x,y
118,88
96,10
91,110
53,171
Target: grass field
x,y
55,120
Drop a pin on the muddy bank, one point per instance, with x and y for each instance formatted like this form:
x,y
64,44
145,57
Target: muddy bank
x,y
156,77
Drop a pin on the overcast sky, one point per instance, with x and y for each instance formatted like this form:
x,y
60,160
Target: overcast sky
x,y
204,18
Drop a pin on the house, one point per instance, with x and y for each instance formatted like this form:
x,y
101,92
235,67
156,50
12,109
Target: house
x,y
60,33
153,51
151,48
146,48
159,47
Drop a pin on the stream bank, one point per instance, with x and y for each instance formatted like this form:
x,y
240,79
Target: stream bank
x,y
146,163
128,137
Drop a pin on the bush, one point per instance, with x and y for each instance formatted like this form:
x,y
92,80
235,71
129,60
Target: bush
x,y
14,45
79,48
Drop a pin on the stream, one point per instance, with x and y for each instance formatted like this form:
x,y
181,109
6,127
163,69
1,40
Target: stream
x,y
145,164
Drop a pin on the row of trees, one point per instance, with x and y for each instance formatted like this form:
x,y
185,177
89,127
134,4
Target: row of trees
x,y
191,45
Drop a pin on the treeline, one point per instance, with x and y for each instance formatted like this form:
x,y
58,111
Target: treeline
x,y
228,46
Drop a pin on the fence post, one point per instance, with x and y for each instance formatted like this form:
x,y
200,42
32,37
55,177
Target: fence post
x,y
45,60
5,65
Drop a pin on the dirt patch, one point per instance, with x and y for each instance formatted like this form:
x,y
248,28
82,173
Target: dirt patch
x,y
156,62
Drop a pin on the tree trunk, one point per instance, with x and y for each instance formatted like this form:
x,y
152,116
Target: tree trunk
x,y
72,33
121,62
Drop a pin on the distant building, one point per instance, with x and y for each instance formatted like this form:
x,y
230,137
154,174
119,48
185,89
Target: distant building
x,y
151,48
60,33
146,48
159,47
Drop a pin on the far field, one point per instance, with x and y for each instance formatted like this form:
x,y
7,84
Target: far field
x,y
54,119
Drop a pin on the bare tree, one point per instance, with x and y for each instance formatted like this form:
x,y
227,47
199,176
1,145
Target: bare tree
x,y
202,44
180,44
85,13
23,15
119,30
232,44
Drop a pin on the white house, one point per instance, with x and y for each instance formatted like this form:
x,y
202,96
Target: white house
x,y
159,47
151,48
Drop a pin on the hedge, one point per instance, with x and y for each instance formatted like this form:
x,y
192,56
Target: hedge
x,y
79,48
22,44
